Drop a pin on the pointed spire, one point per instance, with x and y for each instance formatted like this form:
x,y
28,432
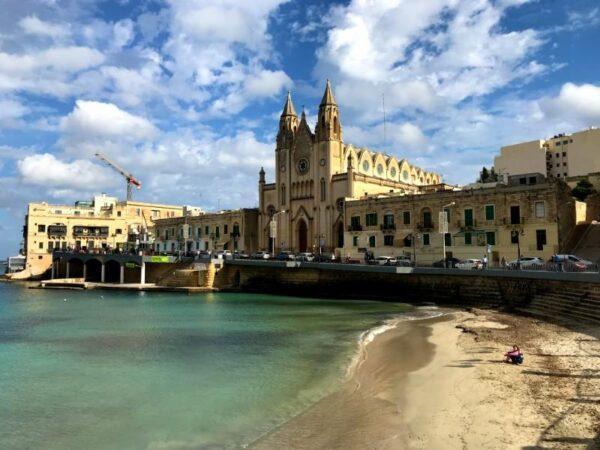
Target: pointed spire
x,y
328,95
288,108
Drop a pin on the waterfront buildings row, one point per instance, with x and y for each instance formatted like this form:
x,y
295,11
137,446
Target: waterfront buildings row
x,y
497,221
332,196
101,224
233,230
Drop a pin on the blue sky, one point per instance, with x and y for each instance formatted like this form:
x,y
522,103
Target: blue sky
x,y
187,94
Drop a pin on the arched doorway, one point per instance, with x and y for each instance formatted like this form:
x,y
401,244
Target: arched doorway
x,y
93,269
302,236
340,235
112,271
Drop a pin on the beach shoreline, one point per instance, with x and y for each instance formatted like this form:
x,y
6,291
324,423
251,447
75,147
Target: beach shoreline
x,y
441,383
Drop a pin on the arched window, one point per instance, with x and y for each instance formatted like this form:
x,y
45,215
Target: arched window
x,y
335,125
323,190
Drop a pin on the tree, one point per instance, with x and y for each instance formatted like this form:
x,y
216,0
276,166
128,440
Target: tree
x,y
487,176
582,190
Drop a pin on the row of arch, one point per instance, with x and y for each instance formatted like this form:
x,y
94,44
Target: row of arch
x,y
388,167
91,270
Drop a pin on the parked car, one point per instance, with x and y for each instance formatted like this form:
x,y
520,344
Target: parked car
x,y
403,261
385,261
325,257
240,255
450,262
570,263
223,254
285,256
305,257
527,262
470,264
261,255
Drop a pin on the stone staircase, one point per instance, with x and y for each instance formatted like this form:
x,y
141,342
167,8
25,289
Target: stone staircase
x,y
209,276
182,278
588,245
569,304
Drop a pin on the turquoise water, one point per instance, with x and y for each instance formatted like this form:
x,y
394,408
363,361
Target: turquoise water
x,y
104,370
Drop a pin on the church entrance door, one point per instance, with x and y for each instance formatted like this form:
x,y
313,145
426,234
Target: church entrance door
x,y
302,236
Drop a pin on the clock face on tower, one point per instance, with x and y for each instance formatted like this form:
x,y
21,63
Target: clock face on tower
x,y
303,166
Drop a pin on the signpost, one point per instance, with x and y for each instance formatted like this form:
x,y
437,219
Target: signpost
x,y
273,233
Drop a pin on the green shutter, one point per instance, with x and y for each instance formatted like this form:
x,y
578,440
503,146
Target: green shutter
x,y
468,217
491,237
468,239
489,212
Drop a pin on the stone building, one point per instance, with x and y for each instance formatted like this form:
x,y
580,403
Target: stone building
x,y
234,230
101,223
315,171
542,215
565,156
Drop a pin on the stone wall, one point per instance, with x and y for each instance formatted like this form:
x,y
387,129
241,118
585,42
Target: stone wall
x,y
513,291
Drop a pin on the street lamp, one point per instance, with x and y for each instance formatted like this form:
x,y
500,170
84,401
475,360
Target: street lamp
x,y
444,229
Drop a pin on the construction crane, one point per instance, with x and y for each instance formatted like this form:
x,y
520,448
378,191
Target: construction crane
x,y
129,178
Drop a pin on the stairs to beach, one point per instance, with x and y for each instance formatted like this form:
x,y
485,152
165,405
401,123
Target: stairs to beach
x,y
569,304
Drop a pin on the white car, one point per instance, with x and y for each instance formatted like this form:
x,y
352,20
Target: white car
x,y
385,261
470,264
260,255
527,262
305,256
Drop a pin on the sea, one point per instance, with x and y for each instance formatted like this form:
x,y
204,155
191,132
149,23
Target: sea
x,y
137,370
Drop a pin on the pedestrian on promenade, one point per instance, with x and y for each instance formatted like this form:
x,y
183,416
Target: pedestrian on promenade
x,y
485,261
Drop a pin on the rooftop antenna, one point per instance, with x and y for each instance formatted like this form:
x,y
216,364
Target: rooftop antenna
x,y
384,121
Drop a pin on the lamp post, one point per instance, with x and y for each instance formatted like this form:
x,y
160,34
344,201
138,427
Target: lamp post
x,y
444,230
273,229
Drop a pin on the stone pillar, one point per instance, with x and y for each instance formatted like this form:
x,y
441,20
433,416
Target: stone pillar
x,y
84,271
67,270
122,273
143,273
52,270
102,273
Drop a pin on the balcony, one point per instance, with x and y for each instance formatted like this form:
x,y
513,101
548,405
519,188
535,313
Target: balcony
x,y
462,225
388,227
90,232
355,227
57,230
425,226
509,222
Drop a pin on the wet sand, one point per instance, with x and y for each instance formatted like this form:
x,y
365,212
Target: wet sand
x,y
440,384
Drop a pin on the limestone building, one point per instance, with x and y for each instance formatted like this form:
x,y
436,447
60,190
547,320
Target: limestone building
x,y
543,215
234,230
93,225
303,210
565,156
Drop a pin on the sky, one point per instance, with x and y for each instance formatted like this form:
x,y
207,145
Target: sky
x,y
186,94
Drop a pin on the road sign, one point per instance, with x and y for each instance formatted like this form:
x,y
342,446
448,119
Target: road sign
x,y
443,220
273,229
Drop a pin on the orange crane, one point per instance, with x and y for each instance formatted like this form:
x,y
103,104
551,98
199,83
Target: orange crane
x,y
129,178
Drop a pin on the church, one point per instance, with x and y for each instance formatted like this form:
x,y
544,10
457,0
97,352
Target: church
x,y
316,173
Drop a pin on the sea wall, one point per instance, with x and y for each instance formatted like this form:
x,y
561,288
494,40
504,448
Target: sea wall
x,y
573,295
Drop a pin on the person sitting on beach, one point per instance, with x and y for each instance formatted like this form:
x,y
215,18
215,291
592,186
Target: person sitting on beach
x,y
514,356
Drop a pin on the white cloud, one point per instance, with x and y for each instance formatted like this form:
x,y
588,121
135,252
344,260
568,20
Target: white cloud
x,y
446,51
105,120
578,103
33,25
10,113
48,171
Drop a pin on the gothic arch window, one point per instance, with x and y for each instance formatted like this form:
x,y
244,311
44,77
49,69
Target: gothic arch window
x,y
335,125
271,210
323,125
323,190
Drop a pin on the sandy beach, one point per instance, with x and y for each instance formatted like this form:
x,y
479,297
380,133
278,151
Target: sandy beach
x,y
441,383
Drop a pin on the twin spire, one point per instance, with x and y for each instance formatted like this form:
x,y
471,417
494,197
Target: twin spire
x,y
328,99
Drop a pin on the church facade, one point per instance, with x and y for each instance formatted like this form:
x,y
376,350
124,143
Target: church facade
x,y
316,173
